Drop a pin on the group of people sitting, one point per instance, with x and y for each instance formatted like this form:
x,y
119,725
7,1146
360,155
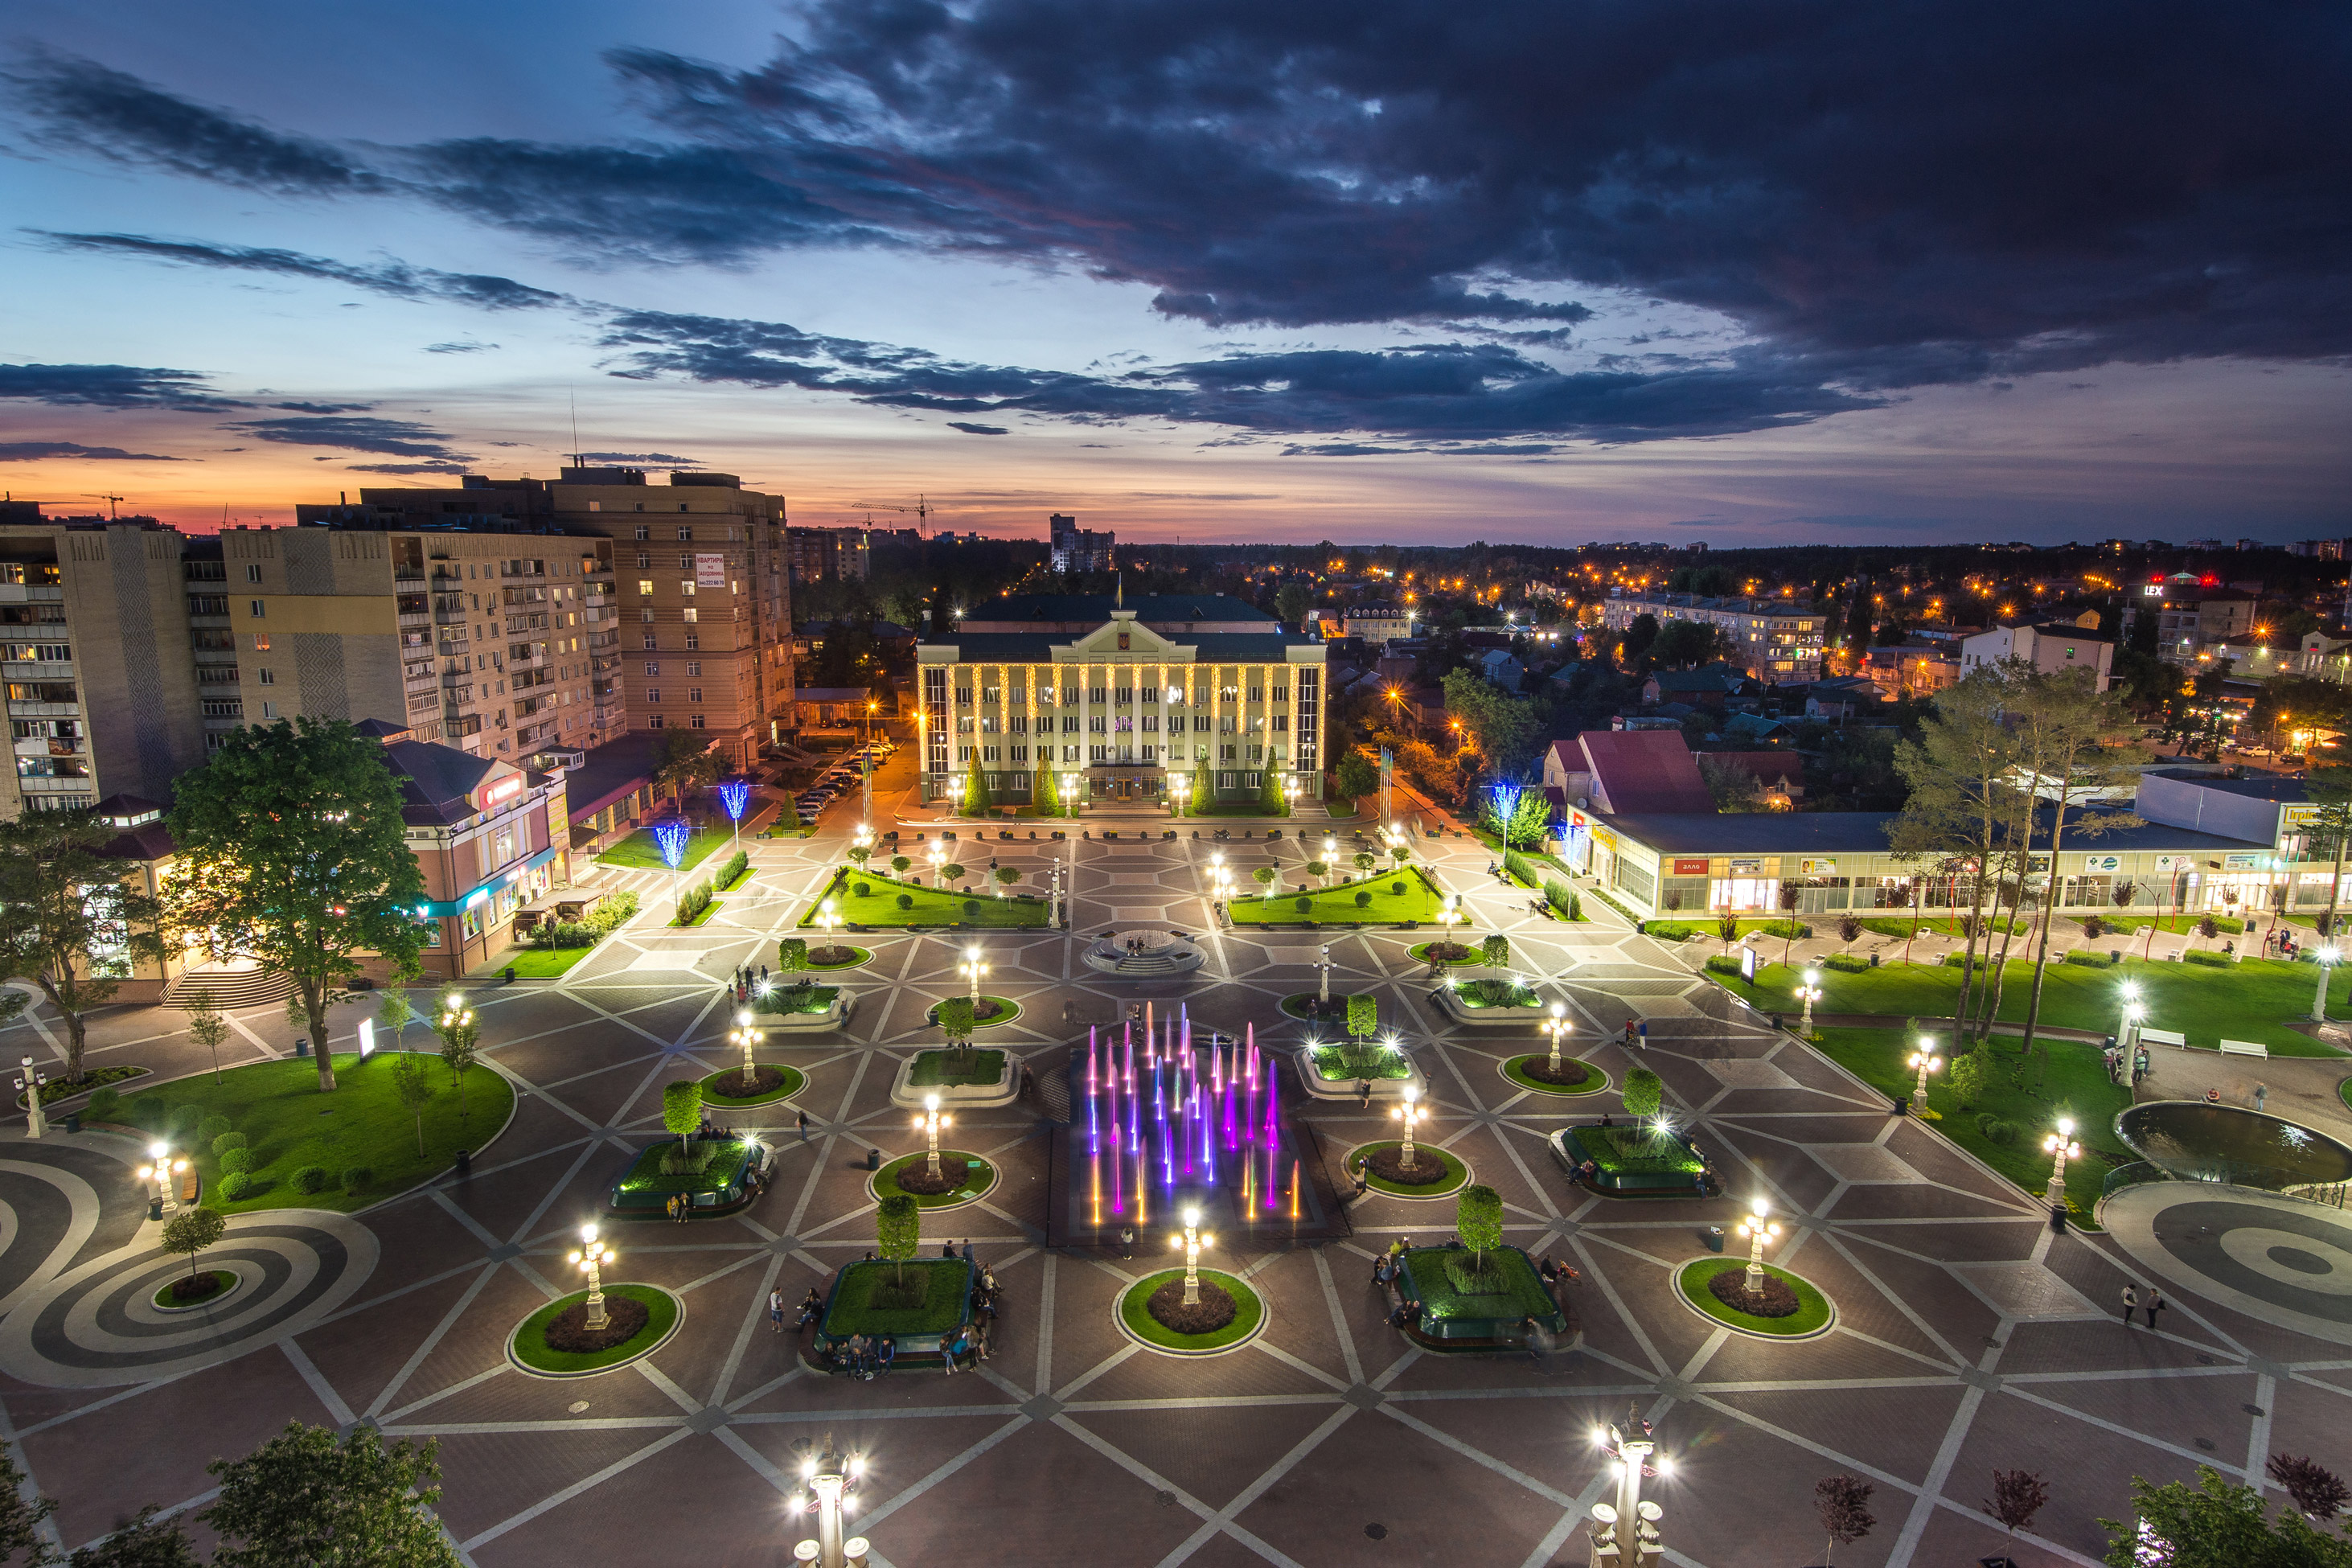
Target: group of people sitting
x,y
864,1357
1390,1278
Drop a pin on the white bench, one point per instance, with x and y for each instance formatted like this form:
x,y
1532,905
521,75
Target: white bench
x,y
2244,1049
2164,1038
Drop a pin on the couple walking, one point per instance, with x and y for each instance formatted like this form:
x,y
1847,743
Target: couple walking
x,y
2152,1303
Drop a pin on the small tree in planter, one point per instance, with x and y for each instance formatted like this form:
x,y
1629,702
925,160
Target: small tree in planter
x,y
1478,1221
861,853
1401,853
1790,894
1495,950
898,1233
2318,1493
1005,877
1849,928
191,1231
1319,871
1644,1096
1842,1504
1363,1022
682,1107
1264,878
900,865
1366,860
1727,927
954,872
958,1018
2017,1497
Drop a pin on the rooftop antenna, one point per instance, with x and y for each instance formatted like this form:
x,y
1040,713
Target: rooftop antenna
x,y
575,399
110,501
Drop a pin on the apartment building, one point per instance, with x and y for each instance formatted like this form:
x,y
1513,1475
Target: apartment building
x,y
1774,638
816,554
2051,648
1122,693
703,636
1380,624
97,650
1076,549
2191,615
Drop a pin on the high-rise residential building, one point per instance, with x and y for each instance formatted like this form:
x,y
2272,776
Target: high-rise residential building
x,y
1076,549
820,553
97,648
1773,637
703,637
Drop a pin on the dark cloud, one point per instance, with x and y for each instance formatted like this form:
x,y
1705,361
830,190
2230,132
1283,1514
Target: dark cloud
x,y
465,347
111,386
968,428
33,451
405,467
394,277
667,458
324,408
392,438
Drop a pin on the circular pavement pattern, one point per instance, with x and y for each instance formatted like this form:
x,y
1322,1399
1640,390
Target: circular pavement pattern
x,y
97,1326
2278,1259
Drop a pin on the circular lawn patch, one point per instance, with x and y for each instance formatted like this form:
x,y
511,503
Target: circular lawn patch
x,y
183,1293
1139,1306
1435,1173
991,1012
770,1083
1792,1308
1443,951
1303,1006
979,1179
839,955
1534,1072
555,1340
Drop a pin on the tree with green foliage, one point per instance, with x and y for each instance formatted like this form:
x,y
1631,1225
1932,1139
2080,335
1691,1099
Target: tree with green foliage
x,y
953,871
395,1015
293,852
793,954
1640,633
2330,789
975,789
1291,603
958,1021
1518,815
192,1230
1269,793
412,1085
2218,1525
686,762
1643,1094
21,1517
1266,877
1495,951
1357,776
1363,1016
1687,645
900,865
899,1231
1005,877
859,854
460,1041
145,1543
1204,786
1735,790
304,1500
1971,1074
1366,860
71,922
206,1026
682,1107
1478,1221
1321,870
1507,730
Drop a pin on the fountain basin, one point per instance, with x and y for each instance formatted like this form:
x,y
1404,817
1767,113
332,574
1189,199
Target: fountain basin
x,y
2201,1141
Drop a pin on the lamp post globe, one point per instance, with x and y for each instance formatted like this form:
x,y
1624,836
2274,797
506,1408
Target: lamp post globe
x,y
1193,1241
1759,1228
831,1477
590,1258
1926,1061
930,1122
2062,1146
1808,993
1408,1114
1557,1026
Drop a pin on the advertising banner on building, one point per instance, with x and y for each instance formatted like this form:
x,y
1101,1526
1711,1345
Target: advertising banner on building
x,y
710,571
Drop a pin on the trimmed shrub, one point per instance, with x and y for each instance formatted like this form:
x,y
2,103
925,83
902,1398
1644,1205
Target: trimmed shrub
x,y
1363,901
906,900
1575,906
1669,931
105,1105
972,908
1303,905
311,1179
212,1129
1519,869
736,864
2091,959
235,1186
1723,964
235,1162
863,889
184,1121
2001,1132
607,916
1847,962
358,1178
1492,992
1396,889
2200,956
1791,930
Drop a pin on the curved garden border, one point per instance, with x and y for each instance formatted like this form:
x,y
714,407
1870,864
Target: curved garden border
x,y
161,1304
1690,1289
927,1203
1419,952
1127,1310
794,1082
600,1362
1293,1004
1594,1083
1008,1011
865,956
1458,1170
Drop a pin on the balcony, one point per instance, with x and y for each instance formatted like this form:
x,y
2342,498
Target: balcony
x,y
451,648
463,724
217,675
449,607
531,735
458,695
517,625
38,669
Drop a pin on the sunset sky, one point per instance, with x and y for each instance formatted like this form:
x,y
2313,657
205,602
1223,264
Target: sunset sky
x,y
1206,272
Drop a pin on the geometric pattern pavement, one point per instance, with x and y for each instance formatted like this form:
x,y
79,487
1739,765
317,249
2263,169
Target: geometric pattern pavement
x,y
1968,1337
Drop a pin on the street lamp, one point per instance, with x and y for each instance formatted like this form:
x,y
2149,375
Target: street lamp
x,y
1557,1026
1630,1447
1323,966
2131,1014
2061,1144
37,1121
1759,1230
828,916
590,1258
1289,795
159,1168
938,854
2327,957
746,1039
972,969
1177,785
957,784
1191,1242
930,1122
1067,786
1331,857
1926,1061
1808,993
1409,1113
831,1477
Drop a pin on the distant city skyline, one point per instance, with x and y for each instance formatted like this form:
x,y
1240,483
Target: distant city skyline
x,y
1194,272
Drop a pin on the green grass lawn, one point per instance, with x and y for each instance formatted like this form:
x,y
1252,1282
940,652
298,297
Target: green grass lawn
x,y
2072,1082
926,906
540,962
290,1125
1813,1306
1519,1292
1350,1064
638,852
1631,1151
787,1000
852,1311
794,1082
948,1069
1337,906
530,1339
1249,1310
1456,1178
723,1159
2251,1001
981,1177
1467,994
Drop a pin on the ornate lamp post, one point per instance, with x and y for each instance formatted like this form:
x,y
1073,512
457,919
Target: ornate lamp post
x,y
1323,966
1193,1241
937,855
1177,783
159,1168
1557,1026
1926,1061
1289,793
1759,1230
1331,857
2131,1014
590,1259
37,1118
2061,1144
1067,787
2327,957
972,969
831,1477
957,784
1409,1113
746,1038
930,1122
1808,993
1626,1531
828,917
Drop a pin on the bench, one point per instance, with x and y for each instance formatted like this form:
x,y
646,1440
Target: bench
x,y
2164,1038
2244,1049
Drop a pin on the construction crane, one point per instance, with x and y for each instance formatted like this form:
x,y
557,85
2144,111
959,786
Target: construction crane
x,y
110,501
921,510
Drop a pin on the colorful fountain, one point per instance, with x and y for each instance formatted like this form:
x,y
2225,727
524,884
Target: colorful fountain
x,y
1165,1117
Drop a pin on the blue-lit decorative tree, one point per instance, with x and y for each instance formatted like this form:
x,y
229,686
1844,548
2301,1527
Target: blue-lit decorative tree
x,y
670,838
735,795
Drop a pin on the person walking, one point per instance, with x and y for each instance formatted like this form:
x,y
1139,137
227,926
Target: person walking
x,y
1539,1339
2155,1303
776,1310
1364,1094
2262,1094
803,1124
2131,1303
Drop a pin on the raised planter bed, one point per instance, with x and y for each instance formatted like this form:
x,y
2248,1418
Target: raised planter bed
x,y
983,1088
1451,1318
1310,1076
1628,1165
728,1182
1006,1011
1522,1071
1455,1006
922,1324
223,1285
1419,953
778,1013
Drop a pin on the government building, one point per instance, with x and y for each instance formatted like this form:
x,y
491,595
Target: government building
x,y
1121,694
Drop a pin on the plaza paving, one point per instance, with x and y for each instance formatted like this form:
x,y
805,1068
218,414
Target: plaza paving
x,y
1968,1338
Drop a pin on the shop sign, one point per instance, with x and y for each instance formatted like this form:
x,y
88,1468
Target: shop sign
x,y
1753,866
2244,862
494,795
1605,838
1826,867
1690,867
2103,862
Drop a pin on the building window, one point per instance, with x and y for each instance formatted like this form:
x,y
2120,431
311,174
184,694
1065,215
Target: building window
x,y
269,710
649,639
641,531
684,531
694,694
644,560
253,573
256,607
693,640
647,615
686,588
261,642
644,587
652,693
268,677
697,721
654,723
652,667
1020,753
687,615
694,667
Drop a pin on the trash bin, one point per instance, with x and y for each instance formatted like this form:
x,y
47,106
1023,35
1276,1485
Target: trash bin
x,y
465,1163
874,1159
1714,1238
2058,1218
73,1121
1902,1105
1873,961
302,1045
